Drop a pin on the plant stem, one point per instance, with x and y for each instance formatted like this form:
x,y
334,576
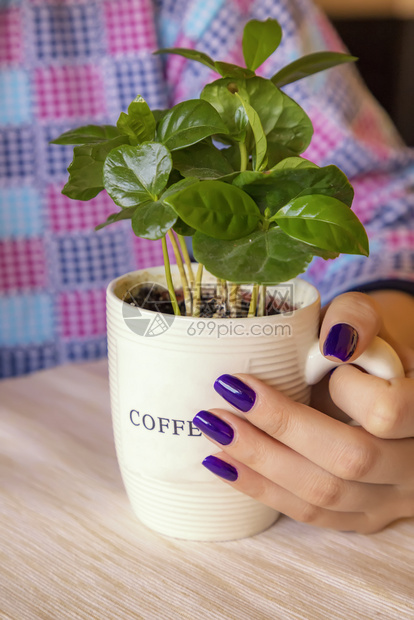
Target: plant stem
x,y
168,277
197,290
225,294
187,259
262,300
234,289
180,265
243,156
219,299
218,288
253,301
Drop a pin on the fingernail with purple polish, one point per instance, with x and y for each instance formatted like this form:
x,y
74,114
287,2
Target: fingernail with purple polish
x,y
341,341
214,427
235,392
220,468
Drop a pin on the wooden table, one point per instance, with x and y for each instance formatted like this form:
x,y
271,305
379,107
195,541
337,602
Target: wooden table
x,y
72,549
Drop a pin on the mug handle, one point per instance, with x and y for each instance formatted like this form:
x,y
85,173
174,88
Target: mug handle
x,y
378,359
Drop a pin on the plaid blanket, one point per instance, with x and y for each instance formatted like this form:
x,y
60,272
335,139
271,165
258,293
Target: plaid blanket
x,y
65,63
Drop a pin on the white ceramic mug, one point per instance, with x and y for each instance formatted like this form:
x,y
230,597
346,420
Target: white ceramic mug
x,y
162,373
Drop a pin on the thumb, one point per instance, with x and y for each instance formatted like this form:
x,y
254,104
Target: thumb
x,y
350,323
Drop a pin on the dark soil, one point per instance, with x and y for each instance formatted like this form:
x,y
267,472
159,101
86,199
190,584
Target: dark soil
x,y
157,299
154,297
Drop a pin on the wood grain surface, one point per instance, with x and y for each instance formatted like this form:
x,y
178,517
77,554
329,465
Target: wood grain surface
x,y
72,549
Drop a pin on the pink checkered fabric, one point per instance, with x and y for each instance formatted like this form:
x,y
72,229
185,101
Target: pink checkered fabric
x,y
23,264
69,92
68,215
130,26
11,39
82,314
331,136
401,238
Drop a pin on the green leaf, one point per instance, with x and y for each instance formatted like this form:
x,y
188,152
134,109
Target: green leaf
x,y
86,170
136,174
265,98
284,122
178,186
125,214
308,65
277,153
325,254
174,177
331,181
183,229
90,134
324,222
260,40
216,209
220,94
275,188
153,220
189,122
262,187
261,94
290,163
233,156
293,128
201,160
262,257
85,174
190,54
223,68
229,70
158,114
260,139
139,123
180,227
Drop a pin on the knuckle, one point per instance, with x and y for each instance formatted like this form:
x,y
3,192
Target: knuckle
x,y
386,415
258,490
307,514
356,461
277,423
362,306
326,493
255,454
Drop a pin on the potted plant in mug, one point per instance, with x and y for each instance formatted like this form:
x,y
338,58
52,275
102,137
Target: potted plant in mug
x,y
226,170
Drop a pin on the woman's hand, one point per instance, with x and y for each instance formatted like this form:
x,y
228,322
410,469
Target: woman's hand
x,y
313,467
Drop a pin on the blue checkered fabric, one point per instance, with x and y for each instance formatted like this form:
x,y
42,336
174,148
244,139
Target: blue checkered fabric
x,y
83,260
15,97
66,32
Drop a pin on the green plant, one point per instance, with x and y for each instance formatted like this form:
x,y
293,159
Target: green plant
x,y
226,170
